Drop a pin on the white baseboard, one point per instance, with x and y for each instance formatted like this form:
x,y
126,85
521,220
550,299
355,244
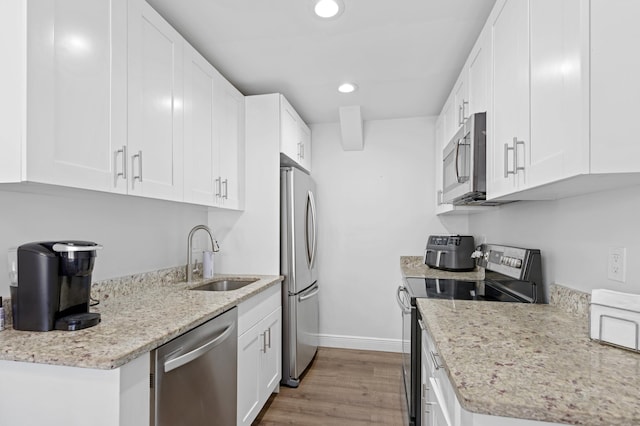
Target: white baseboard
x,y
363,343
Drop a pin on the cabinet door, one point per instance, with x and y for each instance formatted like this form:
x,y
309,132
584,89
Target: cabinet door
x,y
250,349
461,99
155,104
305,146
76,102
271,362
289,130
509,123
231,144
615,86
478,74
559,146
449,120
200,132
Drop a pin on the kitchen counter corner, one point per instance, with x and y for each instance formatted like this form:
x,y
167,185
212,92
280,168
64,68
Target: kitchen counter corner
x,y
532,361
414,267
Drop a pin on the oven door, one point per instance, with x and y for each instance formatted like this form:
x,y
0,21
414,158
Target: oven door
x,y
409,315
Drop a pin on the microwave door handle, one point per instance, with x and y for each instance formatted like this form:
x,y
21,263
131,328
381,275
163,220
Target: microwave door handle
x,y
457,161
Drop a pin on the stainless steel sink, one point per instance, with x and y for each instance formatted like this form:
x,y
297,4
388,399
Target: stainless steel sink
x,y
224,285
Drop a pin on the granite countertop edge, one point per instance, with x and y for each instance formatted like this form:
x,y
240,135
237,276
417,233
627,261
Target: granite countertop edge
x,y
568,346
165,311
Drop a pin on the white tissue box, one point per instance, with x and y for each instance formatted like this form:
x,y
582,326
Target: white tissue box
x,y
615,318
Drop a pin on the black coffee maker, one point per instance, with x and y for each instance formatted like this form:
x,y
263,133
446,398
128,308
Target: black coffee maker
x,y
54,286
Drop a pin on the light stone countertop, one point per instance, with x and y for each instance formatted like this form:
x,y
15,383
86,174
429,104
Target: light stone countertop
x,y
532,361
414,267
136,318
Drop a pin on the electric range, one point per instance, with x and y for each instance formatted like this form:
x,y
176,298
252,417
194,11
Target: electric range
x,y
512,274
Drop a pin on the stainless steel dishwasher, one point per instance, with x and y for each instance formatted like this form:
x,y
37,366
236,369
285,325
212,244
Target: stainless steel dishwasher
x,y
193,377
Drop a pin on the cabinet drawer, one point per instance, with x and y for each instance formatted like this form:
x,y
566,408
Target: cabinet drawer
x,y
258,307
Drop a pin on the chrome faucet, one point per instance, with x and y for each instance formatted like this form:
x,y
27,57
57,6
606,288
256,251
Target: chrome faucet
x,y
214,246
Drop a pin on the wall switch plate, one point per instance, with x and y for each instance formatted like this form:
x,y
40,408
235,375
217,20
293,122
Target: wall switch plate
x,y
616,265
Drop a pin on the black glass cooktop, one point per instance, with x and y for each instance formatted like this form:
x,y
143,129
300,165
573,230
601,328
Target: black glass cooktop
x,y
464,290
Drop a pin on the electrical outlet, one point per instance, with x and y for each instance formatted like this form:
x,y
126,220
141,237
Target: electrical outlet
x,y
616,269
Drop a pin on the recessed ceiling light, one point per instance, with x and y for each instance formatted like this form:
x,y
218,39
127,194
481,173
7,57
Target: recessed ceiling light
x,y
328,8
347,88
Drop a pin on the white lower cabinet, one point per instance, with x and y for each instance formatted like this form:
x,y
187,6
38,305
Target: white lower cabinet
x,y
259,352
440,405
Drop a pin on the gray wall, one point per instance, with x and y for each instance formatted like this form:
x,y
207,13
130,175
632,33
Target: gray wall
x,y
574,235
138,234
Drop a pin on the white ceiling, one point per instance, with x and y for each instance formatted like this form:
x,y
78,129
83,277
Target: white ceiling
x,y
404,54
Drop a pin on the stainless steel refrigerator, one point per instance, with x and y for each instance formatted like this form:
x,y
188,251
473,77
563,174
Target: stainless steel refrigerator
x,y
298,249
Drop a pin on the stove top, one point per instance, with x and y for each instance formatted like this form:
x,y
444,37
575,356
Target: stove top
x,y
434,288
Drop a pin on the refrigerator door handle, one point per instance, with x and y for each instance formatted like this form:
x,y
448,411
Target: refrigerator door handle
x,y
311,251
302,298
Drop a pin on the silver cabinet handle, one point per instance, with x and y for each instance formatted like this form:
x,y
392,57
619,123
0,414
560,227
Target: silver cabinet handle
x,y
264,342
464,109
421,324
436,364
226,189
516,142
269,340
508,172
302,149
139,175
460,115
218,184
123,174
174,363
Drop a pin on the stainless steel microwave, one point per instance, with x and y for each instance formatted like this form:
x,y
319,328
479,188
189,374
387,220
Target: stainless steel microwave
x,y
464,168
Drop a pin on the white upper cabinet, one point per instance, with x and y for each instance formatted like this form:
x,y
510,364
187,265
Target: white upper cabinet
x,y
99,104
295,136
568,87
213,135
479,74
615,86
72,90
201,183
508,127
449,120
461,99
559,145
231,145
155,95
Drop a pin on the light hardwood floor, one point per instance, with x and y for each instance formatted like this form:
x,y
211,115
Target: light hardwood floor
x,y
342,387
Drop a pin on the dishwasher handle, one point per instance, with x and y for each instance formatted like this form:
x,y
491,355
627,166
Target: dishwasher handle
x,y
177,362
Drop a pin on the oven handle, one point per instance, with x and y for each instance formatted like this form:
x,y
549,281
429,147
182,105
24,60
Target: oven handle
x,y
405,309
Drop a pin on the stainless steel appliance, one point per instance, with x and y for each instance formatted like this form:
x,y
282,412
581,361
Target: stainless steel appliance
x,y
54,286
193,377
298,254
450,252
465,163
511,275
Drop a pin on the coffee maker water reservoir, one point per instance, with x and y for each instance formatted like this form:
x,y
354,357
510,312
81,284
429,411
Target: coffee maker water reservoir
x,y
54,286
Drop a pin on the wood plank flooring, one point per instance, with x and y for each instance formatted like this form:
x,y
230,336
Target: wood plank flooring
x,y
342,387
